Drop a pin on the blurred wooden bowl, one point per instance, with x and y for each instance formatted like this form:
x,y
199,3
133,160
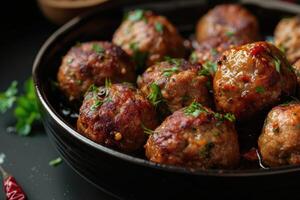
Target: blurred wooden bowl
x,y
60,11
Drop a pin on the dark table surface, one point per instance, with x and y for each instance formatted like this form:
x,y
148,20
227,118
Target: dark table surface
x,y
23,32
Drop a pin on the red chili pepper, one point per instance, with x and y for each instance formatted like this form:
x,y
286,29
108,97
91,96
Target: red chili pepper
x,y
11,188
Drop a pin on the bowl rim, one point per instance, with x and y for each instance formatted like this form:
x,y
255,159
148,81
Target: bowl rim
x,y
119,155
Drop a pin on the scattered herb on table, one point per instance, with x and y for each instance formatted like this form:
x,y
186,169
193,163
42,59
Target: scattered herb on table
x,y
26,109
55,162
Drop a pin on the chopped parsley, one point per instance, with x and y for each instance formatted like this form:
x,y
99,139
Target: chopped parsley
x,y
277,63
214,52
210,66
174,61
230,117
194,57
204,72
96,104
8,98
155,96
147,130
159,27
194,109
169,71
97,95
55,162
260,89
230,33
138,56
205,151
97,48
136,15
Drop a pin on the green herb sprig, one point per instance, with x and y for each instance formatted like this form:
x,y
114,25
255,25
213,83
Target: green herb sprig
x,y
155,96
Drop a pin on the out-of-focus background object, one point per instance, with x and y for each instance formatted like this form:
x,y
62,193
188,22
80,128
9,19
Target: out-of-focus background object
x,y
60,11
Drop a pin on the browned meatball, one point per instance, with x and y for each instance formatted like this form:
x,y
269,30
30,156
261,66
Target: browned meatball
x,y
279,143
116,116
91,63
148,38
195,137
176,83
296,68
287,37
251,78
210,50
227,18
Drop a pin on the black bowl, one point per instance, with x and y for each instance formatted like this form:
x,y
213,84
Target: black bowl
x,y
125,175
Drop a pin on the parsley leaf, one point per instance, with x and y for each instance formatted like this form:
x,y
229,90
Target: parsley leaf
x,y
147,130
260,89
230,117
136,15
210,66
277,63
139,57
194,57
194,109
55,162
204,72
159,27
26,111
169,71
8,98
229,33
97,48
155,96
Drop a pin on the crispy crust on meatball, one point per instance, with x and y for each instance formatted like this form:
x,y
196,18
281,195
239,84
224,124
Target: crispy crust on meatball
x,y
251,78
210,50
287,37
91,63
195,139
179,83
116,116
227,18
279,143
148,38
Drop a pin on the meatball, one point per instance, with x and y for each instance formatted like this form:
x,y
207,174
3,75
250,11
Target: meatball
x,y
252,78
210,50
279,142
175,83
116,116
296,68
148,38
195,137
227,18
287,37
91,63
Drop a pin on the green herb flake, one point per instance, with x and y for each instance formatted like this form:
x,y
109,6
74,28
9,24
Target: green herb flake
x,y
230,33
155,96
194,109
194,57
159,27
277,63
210,66
139,57
147,130
108,83
169,71
205,151
204,72
55,162
96,104
136,15
26,111
214,52
70,61
97,48
174,61
230,117
8,98
260,89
